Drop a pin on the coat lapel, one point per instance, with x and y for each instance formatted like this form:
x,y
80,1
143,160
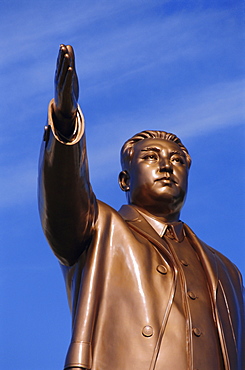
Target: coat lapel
x,y
208,260
139,223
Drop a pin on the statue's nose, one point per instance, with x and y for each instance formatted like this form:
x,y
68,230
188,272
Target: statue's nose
x,y
165,165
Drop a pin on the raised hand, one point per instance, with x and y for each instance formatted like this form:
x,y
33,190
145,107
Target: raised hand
x,y
66,90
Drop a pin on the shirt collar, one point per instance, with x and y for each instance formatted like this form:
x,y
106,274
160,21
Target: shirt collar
x,y
172,230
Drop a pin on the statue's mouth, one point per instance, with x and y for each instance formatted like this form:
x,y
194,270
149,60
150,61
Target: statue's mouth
x,y
167,179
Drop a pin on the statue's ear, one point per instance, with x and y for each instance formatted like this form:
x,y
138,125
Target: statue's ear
x,y
123,180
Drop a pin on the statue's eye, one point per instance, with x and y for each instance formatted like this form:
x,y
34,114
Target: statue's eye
x,y
177,159
150,157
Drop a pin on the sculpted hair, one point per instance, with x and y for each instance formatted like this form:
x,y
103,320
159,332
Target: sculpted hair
x,y
127,150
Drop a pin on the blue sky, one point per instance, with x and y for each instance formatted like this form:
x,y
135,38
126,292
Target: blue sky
x,y
169,65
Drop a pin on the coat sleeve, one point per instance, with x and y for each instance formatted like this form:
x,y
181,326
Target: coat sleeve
x,y
67,205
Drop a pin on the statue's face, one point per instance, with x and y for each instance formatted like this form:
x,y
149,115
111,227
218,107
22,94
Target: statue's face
x,y
158,176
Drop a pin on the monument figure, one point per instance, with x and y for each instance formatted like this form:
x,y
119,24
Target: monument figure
x,y
145,293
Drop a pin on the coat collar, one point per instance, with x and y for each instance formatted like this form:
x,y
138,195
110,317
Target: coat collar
x,y
174,229
131,215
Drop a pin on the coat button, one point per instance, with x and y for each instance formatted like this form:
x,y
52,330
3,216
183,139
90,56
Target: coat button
x,y
147,331
162,269
192,295
197,332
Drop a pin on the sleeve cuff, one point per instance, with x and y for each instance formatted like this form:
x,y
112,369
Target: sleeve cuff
x,y
79,355
78,131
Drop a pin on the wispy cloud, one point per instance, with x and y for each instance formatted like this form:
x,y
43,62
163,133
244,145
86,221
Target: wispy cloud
x,y
215,106
117,48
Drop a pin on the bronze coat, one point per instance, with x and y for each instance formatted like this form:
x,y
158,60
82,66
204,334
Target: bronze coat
x,y
120,302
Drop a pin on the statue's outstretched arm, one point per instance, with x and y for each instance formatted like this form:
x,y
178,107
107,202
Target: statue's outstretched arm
x,y
66,201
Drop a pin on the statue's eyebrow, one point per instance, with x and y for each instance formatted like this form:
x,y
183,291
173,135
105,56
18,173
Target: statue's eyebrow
x,y
156,149
177,152
151,148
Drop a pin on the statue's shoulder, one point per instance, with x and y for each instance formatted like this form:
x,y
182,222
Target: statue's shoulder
x,y
106,212
126,212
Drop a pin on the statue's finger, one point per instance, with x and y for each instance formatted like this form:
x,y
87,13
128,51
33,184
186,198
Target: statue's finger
x,y
69,76
63,70
68,79
61,54
70,51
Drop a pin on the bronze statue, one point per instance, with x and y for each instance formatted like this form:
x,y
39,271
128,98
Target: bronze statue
x,y
145,293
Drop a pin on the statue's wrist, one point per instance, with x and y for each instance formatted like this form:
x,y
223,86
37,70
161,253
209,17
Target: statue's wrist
x,y
63,124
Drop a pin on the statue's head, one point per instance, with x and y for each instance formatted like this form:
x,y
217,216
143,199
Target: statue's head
x,y
155,166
